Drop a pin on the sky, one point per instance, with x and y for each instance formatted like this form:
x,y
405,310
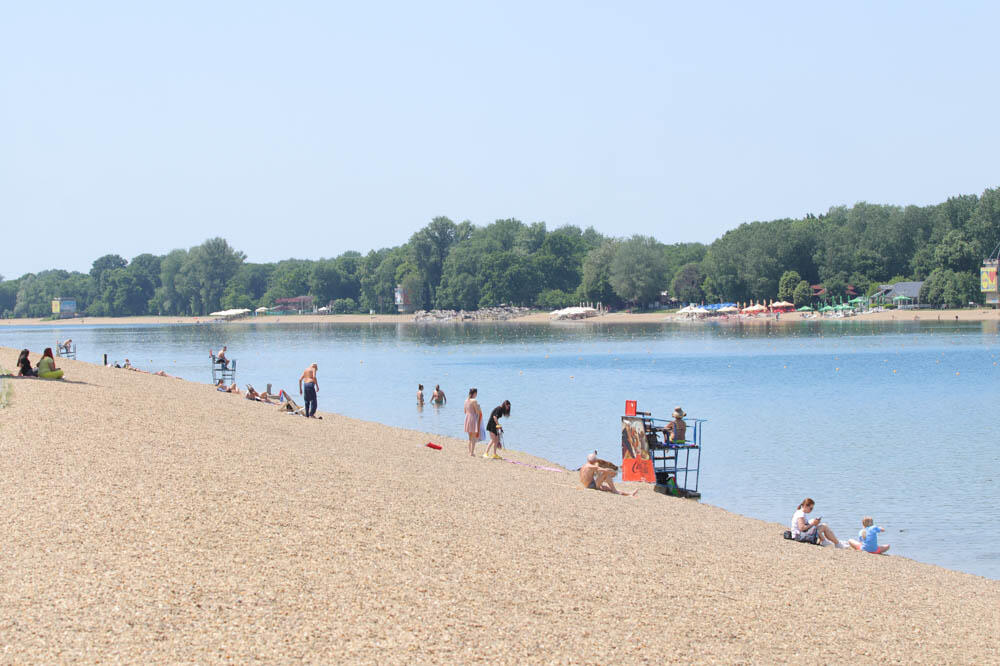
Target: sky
x,y
306,129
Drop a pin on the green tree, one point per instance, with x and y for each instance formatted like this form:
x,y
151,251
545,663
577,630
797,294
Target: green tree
x,y
428,250
638,270
169,298
949,288
247,287
686,285
559,259
123,294
802,295
145,269
326,282
289,279
596,284
344,306
555,299
209,267
786,285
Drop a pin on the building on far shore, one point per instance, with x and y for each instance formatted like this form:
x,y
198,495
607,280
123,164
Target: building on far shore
x,y
403,303
896,293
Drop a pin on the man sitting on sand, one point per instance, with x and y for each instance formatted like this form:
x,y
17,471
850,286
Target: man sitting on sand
x,y
596,474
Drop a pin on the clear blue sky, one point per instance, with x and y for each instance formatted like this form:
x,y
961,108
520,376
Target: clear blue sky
x,y
309,128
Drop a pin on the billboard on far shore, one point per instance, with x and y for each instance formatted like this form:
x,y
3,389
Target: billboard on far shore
x,y
65,307
988,278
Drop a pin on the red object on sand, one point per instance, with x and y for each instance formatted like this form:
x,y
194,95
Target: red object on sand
x,y
432,445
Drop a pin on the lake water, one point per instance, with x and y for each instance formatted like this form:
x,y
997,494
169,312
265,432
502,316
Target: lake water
x,y
896,420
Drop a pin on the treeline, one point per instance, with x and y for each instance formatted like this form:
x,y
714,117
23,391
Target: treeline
x,y
463,266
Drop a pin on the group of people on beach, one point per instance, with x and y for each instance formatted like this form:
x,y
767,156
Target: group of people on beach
x,y
474,425
817,532
308,388
45,368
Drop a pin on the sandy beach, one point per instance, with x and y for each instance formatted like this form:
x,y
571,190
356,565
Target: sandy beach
x,y
149,519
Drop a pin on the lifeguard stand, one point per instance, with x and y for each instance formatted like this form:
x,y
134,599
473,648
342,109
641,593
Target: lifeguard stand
x,y
224,372
64,352
675,467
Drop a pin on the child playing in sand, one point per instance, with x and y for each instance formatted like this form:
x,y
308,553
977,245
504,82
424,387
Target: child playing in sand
x,y
869,538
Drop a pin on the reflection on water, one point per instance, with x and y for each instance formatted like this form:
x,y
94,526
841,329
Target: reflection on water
x,y
892,419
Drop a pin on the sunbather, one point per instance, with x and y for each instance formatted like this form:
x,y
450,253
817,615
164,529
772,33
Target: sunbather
x,y
260,397
596,474
232,388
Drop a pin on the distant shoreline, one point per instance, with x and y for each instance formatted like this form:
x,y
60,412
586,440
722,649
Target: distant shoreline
x,y
534,318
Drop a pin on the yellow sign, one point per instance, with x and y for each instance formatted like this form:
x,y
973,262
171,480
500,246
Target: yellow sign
x,y
988,278
55,307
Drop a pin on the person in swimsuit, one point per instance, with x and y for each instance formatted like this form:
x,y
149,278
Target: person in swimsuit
x,y
473,419
68,345
597,476
311,385
24,368
420,394
494,428
438,396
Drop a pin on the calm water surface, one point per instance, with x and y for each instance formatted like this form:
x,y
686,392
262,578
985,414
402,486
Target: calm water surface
x,y
896,420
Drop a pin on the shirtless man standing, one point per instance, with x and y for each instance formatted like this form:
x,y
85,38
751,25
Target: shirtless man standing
x,y
595,477
311,388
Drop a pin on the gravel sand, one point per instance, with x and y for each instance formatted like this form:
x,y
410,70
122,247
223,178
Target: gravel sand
x,y
149,519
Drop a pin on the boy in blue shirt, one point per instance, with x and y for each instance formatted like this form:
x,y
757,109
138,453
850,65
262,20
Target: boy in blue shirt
x,y
868,538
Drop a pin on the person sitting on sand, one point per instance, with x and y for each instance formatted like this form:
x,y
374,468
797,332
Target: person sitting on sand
x,y
596,474
811,531
24,368
868,538
675,431
46,364
128,365
288,404
437,397
232,388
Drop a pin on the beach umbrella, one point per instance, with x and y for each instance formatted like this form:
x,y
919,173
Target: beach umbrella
x,y
857,300
826,308
805,308
900,297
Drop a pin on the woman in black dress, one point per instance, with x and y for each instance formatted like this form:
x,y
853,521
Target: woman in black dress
x,y
494,428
